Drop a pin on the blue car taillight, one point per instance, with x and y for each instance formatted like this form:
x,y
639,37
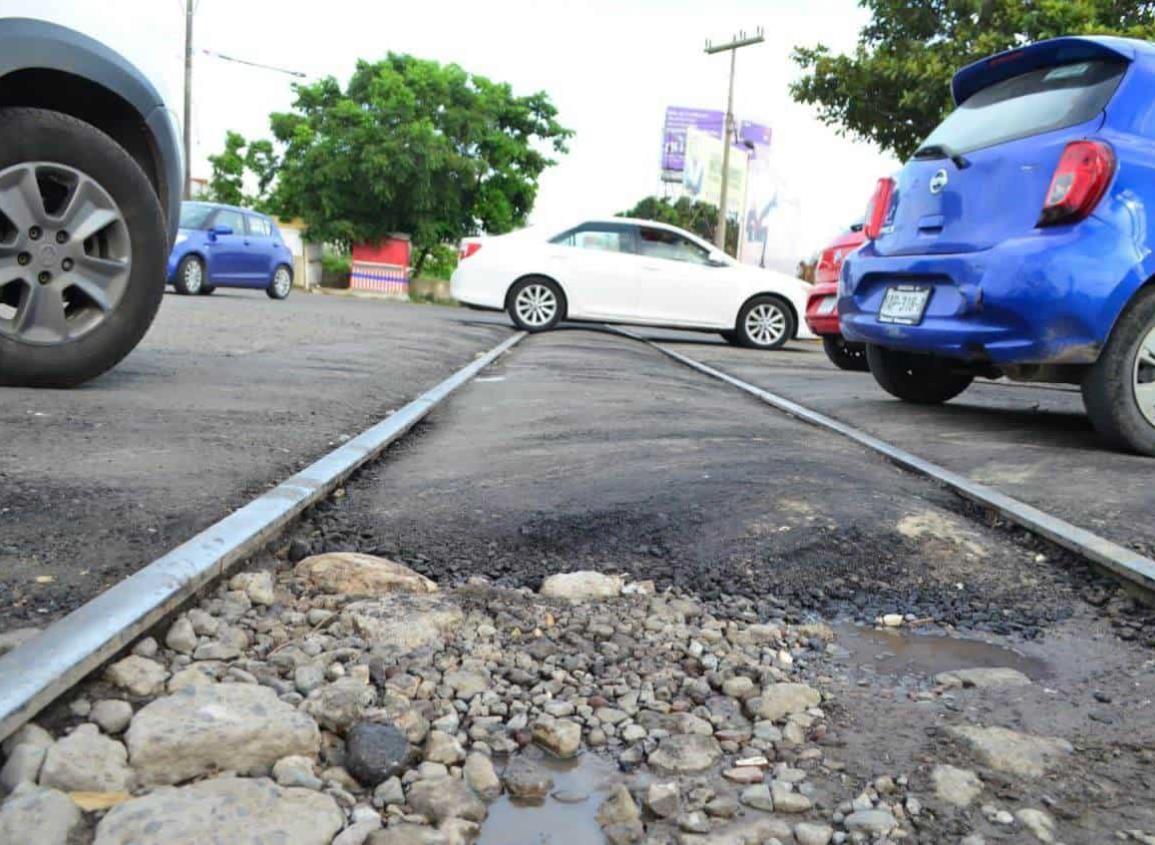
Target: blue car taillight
x,y
1081,178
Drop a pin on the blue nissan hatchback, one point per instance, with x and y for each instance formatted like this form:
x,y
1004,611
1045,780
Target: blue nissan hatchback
x,y
229,247
1016,240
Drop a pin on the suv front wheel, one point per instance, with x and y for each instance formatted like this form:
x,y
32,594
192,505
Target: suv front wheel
x,y
1119,390
82,250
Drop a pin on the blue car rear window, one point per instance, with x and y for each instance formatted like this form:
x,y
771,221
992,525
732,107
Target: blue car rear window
x,y
1031,104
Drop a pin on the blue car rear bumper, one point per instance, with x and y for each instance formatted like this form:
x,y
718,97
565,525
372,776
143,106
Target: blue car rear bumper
x,y
1049,298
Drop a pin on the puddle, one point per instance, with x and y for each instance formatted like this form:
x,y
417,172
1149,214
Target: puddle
x,y
894,652
581,784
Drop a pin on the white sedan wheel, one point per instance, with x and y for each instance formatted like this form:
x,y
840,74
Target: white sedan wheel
x,y
536,305
766,324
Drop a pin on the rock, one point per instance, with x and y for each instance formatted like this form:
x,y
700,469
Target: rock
x,y
339,705
218,727
778,701
582,586
481,777
1012,752
443,748
526,781
259,588
871,821
408,834
377,752
446,798
892,620
983,678
685,754
1041,825
786,800
191,677
663,800
239,811
357,833
111,714
16,637
146,648
37,814
744,774
959,787
739,687
401,624
353,574
389,792
296,770
181,637
610,715
87,761
694,822
620,818
758,797
756,830
465,685
138,675
560,737
22,766
29,734
807,833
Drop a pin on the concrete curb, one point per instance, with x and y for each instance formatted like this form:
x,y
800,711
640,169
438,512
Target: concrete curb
x,y
36,672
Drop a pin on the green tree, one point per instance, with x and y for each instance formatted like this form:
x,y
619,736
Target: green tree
x,y
413,146
238,160
895,87
695,216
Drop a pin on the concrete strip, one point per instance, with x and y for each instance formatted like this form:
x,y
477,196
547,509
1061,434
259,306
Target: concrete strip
x,y
36,672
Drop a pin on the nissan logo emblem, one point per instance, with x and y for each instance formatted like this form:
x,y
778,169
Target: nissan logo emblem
x,y
938,182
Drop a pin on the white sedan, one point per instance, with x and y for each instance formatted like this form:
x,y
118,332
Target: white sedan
x,y
620,270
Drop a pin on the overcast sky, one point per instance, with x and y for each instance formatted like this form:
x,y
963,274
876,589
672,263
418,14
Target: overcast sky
x,y
611,66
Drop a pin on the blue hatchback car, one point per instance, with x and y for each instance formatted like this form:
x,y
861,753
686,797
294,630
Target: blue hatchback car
x,y
229,247
1016,240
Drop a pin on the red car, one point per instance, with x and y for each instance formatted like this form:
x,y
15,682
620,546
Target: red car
x,y
822,302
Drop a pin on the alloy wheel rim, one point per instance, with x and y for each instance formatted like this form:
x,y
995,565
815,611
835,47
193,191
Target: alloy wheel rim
x,y
1144,377
193,276
536,305
65,253
765,324
281,281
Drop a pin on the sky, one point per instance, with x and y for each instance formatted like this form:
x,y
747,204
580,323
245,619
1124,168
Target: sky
x,y
611,67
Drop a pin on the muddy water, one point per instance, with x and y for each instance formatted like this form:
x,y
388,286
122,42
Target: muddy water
x,y
567,817
895,652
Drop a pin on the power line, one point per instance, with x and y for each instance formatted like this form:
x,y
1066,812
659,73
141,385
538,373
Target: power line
x,y
227,58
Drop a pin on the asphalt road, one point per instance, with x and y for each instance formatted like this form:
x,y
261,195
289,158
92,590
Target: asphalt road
x,y
1033,442
227,395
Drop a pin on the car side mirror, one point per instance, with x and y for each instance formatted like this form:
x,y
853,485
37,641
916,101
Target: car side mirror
x,y
221,230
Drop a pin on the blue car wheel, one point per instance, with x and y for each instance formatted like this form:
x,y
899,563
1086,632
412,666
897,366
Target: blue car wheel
x,y
190,276
1119,390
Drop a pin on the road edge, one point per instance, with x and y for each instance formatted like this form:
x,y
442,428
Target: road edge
x,y
36,672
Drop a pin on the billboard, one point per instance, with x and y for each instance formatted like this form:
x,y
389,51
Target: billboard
x,y
702,170
679,121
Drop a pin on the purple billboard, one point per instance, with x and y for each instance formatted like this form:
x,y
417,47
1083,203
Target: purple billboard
x,y
679,119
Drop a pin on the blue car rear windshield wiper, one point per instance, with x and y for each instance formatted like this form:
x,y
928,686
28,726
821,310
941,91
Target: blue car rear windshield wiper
x,y
942,151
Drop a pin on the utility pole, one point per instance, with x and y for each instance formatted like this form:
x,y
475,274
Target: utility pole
x,y
740,40
188,54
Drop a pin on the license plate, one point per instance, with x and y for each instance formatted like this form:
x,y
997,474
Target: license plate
x,y
904,304
828,305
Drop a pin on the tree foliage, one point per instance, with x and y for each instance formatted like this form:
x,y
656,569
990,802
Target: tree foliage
x,y
895,87
695,216
413,146
241,162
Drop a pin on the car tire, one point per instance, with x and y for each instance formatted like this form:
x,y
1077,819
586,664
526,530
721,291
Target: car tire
x,y
77,318
536,304
845,355
730,338
765,322
208,290
919,379
189,279
1119,389
281,285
